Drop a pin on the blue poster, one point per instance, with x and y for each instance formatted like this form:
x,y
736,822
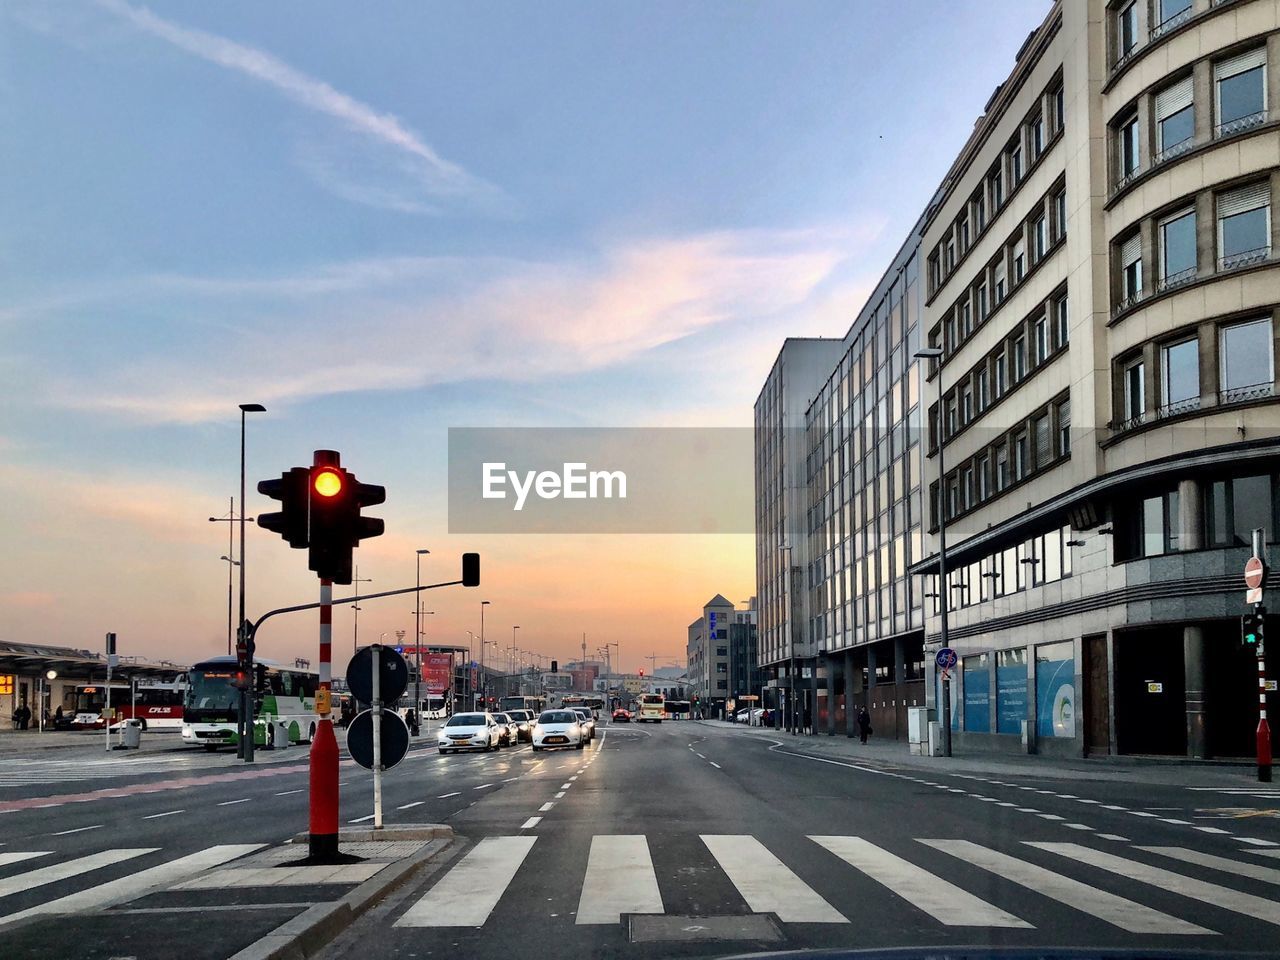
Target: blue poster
x,y
1011,697
1056,697
977,696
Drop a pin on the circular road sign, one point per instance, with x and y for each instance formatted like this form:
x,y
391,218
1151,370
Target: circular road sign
x,y
946,658
395,739
1253,571
393,675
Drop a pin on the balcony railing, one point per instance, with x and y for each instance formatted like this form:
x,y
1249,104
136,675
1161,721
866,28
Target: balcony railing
x,y
1244,258
1174,280
1127,179
1128,302
1174,150
1137,420
1256,391
1177,20
1178,407
1240,124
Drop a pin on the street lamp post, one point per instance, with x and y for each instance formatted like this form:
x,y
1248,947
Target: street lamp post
x,y
935,353
246,696
471,691
230,520
417,646
484,678
790,713
514,654
230,572
355,607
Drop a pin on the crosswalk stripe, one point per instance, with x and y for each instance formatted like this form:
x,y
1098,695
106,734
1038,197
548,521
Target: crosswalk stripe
x,y
467,894
69,868
945,901
766,883
1211,893
1115,910
1241,868
620,879
138,884
15,857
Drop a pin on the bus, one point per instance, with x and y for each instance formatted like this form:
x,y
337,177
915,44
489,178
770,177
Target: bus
x,y
534,705
434,706
652,707
156,703
90,702
280,694
677,709
585,701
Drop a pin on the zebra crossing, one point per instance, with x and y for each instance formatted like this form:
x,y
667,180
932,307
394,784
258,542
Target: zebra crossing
x,y
619,878
27,772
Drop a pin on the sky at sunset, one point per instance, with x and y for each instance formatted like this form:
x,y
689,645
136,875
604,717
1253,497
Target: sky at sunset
x,y
384,221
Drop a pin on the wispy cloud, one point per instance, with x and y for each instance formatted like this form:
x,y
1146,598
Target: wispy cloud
x,y
424,321
438,177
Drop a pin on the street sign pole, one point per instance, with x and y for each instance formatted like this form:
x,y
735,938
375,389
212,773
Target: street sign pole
x,y
323,839
1255,573
377,736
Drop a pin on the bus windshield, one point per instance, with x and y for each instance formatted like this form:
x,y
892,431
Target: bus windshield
x,y
211,690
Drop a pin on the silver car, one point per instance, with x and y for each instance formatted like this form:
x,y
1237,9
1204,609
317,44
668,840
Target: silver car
x,y
469,731
588,721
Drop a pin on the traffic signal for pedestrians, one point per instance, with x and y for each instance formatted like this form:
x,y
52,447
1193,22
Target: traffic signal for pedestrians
x,y
291,521
1253,629
335,526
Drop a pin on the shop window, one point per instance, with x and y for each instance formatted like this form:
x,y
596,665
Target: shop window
x,y
977,693
1011,690
1055,690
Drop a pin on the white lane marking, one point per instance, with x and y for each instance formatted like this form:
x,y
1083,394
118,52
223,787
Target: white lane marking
x,y
8,858
698,755
139,884
546,806
1049,816
571,779
1005,803
69,868
530,823
1174,820
1117,911
467,894
1214,830
714,764
361,819
620,879
1143,813
446,796
1078,826
511,780
408,806
766,883
168,813
1224,897
1114,836
285,793
1241,868
560,795
483,786
228,803
1113,806
1027,810
1256,842
63,833
946,902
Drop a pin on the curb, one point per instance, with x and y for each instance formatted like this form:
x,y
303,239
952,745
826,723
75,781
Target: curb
x,y
316,927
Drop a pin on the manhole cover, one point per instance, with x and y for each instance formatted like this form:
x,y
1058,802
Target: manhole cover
x,y
658,929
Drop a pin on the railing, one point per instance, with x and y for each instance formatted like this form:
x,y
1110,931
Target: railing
x,y
1174,150
1128,302
1256,391
1136,420
1240,124
1177,20
1124,56
1174,280
1244,258
1127,179
1178,407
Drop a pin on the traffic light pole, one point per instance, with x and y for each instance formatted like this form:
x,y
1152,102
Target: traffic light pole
x,y
1260,620
323,839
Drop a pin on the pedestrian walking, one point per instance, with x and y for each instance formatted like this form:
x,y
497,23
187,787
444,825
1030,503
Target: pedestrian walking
x,y
864,723
23,716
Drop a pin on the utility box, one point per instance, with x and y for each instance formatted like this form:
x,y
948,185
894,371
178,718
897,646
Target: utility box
x,y
935,738
279,736
918,729
131,734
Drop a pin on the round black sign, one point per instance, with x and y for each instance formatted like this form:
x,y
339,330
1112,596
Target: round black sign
x,y
395,739
393,675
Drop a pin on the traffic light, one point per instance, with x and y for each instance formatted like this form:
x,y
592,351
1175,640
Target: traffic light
x,y
335,525
291,521
471,569
642,671
240,679
1253,630
555,666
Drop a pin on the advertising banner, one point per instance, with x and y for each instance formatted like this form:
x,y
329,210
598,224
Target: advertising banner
x,y
1055,690
977,694
436,668
1011,690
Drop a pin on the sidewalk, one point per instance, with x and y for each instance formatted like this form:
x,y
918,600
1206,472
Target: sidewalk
x,y
895,753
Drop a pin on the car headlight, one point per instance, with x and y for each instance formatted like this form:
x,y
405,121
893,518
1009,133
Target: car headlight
x,y
186,730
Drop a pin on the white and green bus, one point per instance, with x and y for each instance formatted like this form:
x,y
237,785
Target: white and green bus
x,y
280,695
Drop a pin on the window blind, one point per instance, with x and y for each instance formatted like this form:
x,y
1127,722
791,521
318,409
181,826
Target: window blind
x,y
1131,250
1172,99
1241,62
1252,197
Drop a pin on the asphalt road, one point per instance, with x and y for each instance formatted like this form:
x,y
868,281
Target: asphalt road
x,y
682,839
691,840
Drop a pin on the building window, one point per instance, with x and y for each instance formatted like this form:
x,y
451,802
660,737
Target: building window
x,y
1002,467
1064,428
984,396
722,651
966,318
950,263
1000,374
1060,213
1036,129
952,339
1019,260
1177,249
984,480
1131,267
1130,143
1240,91
1040,331
1015,164
1180,376
1019,354
997,188
1059,109
1175,120
1039,238
982,301
1134,379
1126,30
966,404
1061,330
1000,276
1044,442
966,484
1169,11
935,274
962,229
1244,226
1020,451
951,416
1245,357
980,212
1236,507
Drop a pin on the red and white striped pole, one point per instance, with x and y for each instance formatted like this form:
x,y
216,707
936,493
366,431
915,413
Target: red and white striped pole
x,y
1264,729
324,747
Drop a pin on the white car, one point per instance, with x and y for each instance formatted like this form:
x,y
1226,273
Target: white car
x,y
558,728
469,731
588,721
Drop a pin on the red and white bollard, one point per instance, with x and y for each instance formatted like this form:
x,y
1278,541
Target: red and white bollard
x,y
323,843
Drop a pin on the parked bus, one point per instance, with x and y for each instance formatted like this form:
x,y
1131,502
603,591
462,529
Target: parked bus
x,y
157,703
534,705
280,695
91,701
678,709
653,706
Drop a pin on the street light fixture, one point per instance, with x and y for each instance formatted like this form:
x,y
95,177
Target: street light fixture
x,y
356,580
935,353
417,643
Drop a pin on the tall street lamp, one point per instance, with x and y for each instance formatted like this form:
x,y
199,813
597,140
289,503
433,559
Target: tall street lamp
x,y
246,696
417,643
514,648
484,679
935,353
230,629
471,687
355,623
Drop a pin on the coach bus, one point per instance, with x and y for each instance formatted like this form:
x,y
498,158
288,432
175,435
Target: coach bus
x,y
157,704
91,702
280,695
653,706
534,705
